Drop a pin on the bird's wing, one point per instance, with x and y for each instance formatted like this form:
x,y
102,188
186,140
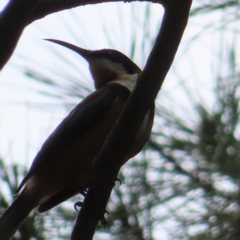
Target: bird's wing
x,y
79,121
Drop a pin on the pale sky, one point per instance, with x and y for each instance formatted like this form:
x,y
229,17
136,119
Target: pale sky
x,y
24,124
27,118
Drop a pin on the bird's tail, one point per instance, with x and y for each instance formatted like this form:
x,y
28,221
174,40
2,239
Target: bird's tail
x,y
13,217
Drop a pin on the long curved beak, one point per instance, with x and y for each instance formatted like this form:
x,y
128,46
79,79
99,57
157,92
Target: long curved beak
x,y
86,54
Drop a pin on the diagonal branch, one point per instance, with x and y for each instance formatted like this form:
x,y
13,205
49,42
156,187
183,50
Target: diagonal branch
x,y
108,162
107,165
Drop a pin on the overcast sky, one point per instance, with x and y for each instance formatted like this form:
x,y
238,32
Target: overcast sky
x,y
27,118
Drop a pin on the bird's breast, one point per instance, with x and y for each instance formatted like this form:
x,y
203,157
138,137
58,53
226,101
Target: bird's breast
x,y
72,165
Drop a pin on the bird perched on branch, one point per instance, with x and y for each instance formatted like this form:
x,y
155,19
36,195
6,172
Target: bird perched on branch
x,y
62,167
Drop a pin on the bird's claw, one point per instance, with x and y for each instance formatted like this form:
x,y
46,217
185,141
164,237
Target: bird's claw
x,y
80,204
118,180
77,204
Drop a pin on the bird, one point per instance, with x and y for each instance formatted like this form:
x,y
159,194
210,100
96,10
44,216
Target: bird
x,y
62,167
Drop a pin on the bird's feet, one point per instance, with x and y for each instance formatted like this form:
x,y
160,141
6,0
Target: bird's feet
x,y
102,220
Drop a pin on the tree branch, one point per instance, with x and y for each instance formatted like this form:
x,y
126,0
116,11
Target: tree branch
x,y
107,164
19,13
47,7
13,20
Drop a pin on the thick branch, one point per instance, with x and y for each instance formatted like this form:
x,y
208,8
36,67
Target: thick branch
x,y
19,13
13,20
47,7
109,161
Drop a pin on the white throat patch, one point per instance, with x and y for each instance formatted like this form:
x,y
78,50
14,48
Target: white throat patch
x,y
127,80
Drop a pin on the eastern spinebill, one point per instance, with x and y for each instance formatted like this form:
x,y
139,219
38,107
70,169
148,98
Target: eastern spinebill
x,y
63,165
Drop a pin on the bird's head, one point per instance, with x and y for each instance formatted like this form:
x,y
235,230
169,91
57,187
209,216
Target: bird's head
x,y
105,65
